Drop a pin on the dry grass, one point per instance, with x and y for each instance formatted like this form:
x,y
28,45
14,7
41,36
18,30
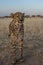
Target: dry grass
x,y
33,42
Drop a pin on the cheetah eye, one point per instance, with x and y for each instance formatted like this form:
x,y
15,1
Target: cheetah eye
x,y
17,16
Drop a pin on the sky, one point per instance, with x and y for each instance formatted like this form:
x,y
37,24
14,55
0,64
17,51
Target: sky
x,y
29,7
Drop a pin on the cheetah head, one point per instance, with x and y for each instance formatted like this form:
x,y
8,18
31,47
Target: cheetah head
x,y
18,15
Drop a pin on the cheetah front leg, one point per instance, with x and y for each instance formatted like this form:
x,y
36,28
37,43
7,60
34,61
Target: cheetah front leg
x,y
20,46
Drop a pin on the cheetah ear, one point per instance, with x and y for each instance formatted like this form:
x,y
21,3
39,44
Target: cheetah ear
x,y
12,15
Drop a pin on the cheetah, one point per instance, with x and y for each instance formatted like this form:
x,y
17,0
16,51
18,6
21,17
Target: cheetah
x,y
16,33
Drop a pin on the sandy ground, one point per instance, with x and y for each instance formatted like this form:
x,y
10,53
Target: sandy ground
x,y
33,42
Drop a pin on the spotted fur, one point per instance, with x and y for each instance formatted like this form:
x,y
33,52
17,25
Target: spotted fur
x,y
16,30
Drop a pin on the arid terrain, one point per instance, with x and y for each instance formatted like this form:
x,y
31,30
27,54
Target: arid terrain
x,y
33,42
